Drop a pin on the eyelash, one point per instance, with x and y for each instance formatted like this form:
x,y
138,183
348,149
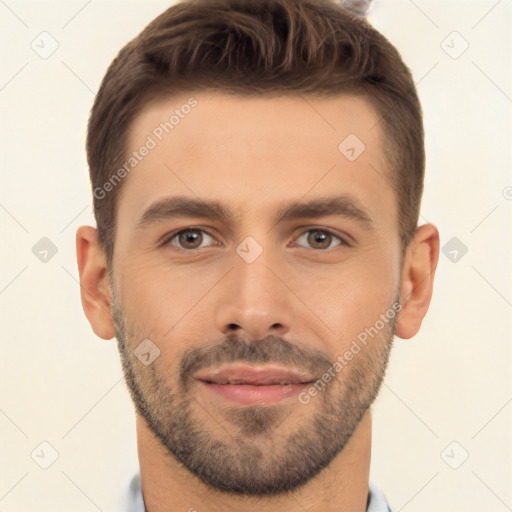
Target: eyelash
x,y
168,239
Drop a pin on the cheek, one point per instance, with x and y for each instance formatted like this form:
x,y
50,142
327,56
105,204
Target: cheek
x,y
161,300
355,297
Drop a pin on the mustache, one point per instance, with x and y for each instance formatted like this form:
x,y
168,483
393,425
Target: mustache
x,y
270,349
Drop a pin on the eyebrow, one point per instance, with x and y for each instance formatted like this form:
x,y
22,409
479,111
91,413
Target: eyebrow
x,y
181,206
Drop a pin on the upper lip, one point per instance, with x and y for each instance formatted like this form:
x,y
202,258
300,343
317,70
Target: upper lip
x,y
264,375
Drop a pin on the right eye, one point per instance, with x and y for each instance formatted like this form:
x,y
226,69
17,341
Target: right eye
x,y
188,239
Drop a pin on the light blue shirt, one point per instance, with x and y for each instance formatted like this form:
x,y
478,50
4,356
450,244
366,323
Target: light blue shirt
x,y
134,502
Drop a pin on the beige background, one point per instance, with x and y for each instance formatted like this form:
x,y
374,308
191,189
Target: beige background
x,y
62,385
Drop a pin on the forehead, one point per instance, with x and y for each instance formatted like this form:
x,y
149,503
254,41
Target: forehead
x,y
256,149
245,119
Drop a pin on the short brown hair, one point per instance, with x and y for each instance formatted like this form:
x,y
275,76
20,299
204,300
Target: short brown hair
x,y
258,47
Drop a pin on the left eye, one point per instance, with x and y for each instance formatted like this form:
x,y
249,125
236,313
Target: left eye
x,y
320,238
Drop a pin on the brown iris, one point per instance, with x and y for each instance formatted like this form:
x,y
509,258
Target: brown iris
x,y
320,237
193,237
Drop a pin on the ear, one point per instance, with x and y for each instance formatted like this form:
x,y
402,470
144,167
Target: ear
x,y
95,289
417,282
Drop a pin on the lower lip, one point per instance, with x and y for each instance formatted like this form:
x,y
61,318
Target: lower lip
x,y
247,394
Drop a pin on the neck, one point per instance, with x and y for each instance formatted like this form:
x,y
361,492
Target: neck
x,y
169,487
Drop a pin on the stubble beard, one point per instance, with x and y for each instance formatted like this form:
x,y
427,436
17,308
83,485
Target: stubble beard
x,y
257,453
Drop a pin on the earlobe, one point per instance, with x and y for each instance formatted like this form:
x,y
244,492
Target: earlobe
x,y
417,280
95,290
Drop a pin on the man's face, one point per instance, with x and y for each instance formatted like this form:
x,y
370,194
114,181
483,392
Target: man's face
x,y
250,310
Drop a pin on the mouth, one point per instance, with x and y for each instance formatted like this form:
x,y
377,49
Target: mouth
x,y
248,384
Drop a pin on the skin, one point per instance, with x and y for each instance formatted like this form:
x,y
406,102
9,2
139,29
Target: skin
x,y
254,155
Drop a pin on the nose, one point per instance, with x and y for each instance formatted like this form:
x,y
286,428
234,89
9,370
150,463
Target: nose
x,y
255,301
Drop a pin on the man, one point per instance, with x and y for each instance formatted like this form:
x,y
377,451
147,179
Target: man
x,y
257,169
